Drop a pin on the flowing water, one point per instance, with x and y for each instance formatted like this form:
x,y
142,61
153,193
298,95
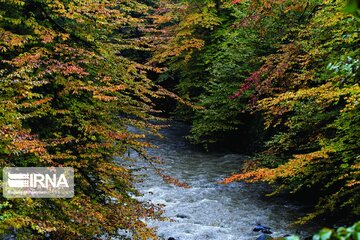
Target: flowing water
x,y
209,210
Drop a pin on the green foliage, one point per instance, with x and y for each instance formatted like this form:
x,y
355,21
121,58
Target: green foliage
x,y
353,7
341,233
211,74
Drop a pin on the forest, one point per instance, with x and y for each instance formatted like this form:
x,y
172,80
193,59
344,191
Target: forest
x,y
277,80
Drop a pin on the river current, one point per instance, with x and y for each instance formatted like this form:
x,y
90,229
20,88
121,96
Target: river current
x,y
209,210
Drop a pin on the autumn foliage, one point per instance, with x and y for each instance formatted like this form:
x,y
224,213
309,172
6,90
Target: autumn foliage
x,y
68,95
308,91
286,72
280,76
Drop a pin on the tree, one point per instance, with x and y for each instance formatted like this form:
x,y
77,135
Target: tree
x,y
308,92
68,95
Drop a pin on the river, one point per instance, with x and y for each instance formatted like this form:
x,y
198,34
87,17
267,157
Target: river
x,y
209,210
